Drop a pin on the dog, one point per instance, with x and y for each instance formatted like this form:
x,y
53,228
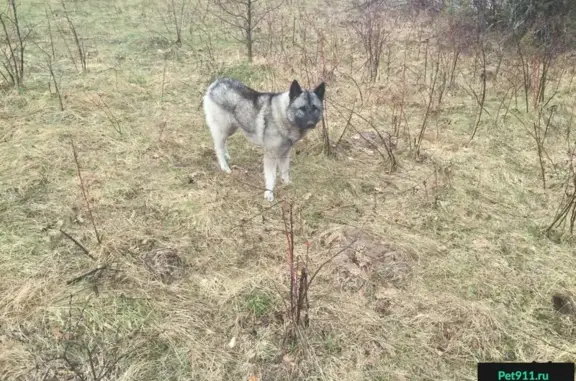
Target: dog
x,y
274,121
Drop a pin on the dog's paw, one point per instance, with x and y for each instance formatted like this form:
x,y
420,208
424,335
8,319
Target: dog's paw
x,y
286,181
269,196
227,169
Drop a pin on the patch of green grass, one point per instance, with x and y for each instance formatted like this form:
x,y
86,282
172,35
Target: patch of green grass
x,y
259,303
243,72
332,344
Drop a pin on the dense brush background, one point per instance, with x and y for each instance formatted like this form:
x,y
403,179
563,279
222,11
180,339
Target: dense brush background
x,y
443,175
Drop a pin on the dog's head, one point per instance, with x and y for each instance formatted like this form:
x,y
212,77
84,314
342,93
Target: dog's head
x,y
306,107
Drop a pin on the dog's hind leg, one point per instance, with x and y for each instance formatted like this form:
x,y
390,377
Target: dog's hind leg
x,y
220,148
230,131
221,127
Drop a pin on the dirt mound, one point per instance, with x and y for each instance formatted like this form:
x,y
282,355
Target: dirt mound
x,y
369,261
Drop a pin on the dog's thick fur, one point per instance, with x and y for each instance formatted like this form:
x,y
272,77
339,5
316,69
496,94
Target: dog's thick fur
x,y
275,121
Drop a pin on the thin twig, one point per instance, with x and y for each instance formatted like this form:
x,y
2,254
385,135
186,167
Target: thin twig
x,y
329,260
85,250
79,46
483,96
428,109
51,70
86,274
346,126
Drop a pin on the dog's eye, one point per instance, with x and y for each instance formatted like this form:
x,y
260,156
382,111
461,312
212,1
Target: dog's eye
x,y
303,108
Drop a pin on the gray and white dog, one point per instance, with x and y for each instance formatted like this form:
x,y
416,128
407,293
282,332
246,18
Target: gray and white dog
x,y
274,121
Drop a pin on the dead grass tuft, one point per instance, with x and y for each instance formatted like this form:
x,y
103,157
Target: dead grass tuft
x,y
164,264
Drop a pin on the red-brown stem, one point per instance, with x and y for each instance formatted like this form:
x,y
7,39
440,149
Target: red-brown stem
x,y
84,192
289,231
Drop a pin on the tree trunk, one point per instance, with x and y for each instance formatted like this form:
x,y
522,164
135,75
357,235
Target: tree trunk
x,y
249,30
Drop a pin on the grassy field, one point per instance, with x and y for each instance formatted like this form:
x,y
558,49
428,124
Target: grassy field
x,y
448,263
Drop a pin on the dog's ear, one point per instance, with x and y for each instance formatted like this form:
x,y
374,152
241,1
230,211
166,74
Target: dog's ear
x,y
295,90
319,91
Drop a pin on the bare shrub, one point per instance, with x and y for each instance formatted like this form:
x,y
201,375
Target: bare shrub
x,y
543,22
12,70
173,14
567,209
300,277
50,65
370,27
539,133
244,16
78,42
482,98
381,138
79,349
433,88
207,53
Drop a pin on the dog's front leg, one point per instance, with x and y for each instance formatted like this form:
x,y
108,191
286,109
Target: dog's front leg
x,y
270,166
284,166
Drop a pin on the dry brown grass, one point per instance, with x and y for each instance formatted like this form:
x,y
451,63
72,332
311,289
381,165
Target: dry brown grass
x,y
450,268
